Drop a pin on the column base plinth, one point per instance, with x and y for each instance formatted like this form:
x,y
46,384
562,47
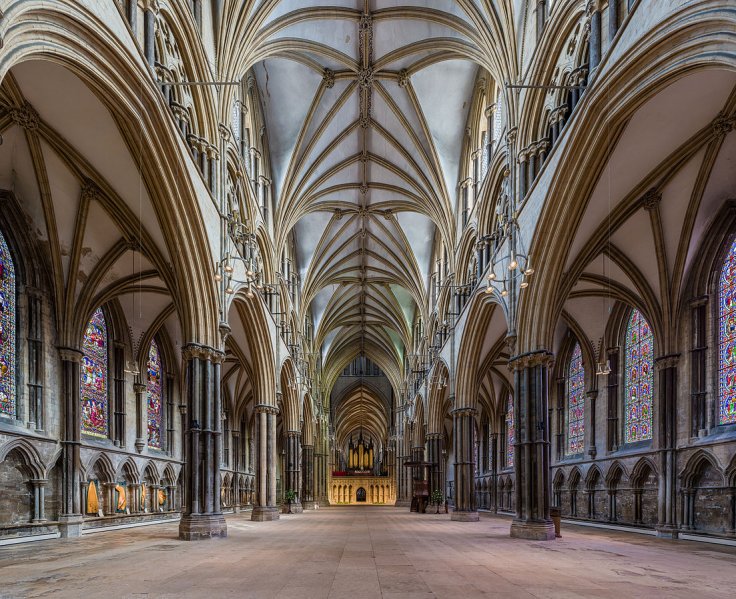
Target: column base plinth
x,y
540,530
309,505
296,508
264,514
667,531
199,527
464,516
70,527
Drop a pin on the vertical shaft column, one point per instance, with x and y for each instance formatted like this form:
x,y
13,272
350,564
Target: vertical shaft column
x,y
667,416
463,427
149,32
293,468
35,361
595,38
307,494
202,517
532,451
141,414
70,521
265,508
522,174
489,112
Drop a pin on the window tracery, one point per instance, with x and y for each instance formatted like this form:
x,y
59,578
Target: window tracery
x,y
7,331
94,377
154,395
727,339
639,383
575,402
510,432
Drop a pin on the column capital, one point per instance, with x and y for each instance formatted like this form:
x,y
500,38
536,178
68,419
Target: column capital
x,y
266,409
668,361
67,354
139,388
293,434
540,357
203,352
462,411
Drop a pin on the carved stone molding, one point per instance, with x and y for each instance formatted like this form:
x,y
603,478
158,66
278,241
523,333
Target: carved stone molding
x,y
466,410
366,77
67,354
540,357
722,125
328,78
267,409
25,117
90,191
202,352
404,78
665,362
651,199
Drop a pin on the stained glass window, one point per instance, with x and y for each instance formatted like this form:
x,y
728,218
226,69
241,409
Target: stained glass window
x,y
94,377
155,396
639,379
727,340
575,402
7,331
510,433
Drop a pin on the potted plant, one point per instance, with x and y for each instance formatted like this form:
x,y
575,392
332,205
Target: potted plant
x,y
437,498
290,496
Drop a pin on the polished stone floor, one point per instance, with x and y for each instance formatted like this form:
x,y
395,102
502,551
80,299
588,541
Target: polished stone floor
x,y
366,552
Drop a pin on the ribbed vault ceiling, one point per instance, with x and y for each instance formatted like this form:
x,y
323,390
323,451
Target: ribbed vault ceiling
x,y
366,103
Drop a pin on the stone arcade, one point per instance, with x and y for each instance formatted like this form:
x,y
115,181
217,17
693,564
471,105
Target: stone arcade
x,y
258,256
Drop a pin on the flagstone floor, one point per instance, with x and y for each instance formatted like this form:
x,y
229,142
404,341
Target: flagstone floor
x,y
369,552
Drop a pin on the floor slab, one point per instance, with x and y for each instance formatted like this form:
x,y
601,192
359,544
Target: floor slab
x,y
370,552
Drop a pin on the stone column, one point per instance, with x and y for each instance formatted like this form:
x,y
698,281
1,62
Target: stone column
x,y
202,517
39,499
134,498
533,164
70,520
149,32
613,23
35,360
131,14
171,498
591,397
522,175
265,508
595,35
293,442
666,367
141,414
489,133
307,494
433,456
463,428
532,448
541,16
494,472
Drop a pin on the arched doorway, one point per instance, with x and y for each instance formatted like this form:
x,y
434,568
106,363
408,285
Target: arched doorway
x,y
360,494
